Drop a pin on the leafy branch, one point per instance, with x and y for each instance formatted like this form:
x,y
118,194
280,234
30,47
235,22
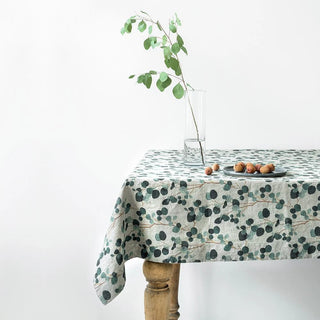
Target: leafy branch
x,y
170,47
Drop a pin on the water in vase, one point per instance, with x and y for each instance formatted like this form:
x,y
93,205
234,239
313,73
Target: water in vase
x,y
192,152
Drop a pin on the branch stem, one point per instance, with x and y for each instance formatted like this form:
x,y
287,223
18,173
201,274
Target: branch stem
x,y
182,80
188,97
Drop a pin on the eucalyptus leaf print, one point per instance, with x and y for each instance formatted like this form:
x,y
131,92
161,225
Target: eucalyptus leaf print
x,y
170,213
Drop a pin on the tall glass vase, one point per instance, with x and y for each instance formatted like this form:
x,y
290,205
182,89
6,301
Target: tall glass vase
x,y
195,128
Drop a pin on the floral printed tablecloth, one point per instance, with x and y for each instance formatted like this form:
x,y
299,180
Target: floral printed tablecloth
x,y
168,212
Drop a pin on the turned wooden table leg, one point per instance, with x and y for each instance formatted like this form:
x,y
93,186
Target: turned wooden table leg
x,y
157,294
174,288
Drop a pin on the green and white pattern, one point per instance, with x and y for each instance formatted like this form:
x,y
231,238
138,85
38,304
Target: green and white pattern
x,y
167,212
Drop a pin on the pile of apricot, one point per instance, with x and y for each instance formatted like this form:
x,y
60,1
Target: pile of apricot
x,y
215,167
251,168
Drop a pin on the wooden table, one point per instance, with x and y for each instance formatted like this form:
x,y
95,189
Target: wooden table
x,y
161,293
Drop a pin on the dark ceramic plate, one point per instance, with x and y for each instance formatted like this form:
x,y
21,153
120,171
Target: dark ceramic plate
x,y
278,172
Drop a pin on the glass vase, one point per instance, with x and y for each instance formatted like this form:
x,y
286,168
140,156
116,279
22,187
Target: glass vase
x,y
194,137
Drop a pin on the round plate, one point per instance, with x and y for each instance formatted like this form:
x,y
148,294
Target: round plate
x,y
278,172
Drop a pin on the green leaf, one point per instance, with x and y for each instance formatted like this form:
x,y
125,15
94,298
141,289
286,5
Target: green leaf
x,y
164,40
123,31
128,27
142,26
141,78
175,66
150,29
153,41
172,27
180,41
153,72
175,48
159,85
167,52
163,76
178,91
147,43
166,83
178,20
143,12
159,26
162,85
184,50
148,80
133,20
132,76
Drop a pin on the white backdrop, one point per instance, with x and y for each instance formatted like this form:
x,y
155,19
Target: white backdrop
x,y
72,127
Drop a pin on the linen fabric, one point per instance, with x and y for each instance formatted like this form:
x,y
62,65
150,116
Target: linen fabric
x,y
171,213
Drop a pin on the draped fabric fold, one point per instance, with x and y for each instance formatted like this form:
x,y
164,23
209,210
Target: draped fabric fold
x,y
170,213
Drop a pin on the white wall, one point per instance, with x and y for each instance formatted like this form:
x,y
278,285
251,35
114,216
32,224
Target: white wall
x,y
72,127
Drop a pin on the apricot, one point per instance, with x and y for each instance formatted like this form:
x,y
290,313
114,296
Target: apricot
x,y
238,167
215,167
265,169
258,167
271,166
251,168
208,171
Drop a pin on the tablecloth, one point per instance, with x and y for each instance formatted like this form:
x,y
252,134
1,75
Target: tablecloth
x,y
171,213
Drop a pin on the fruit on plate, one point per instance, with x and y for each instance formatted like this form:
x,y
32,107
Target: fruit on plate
x,y
267,168
250,168
239,167
271,166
